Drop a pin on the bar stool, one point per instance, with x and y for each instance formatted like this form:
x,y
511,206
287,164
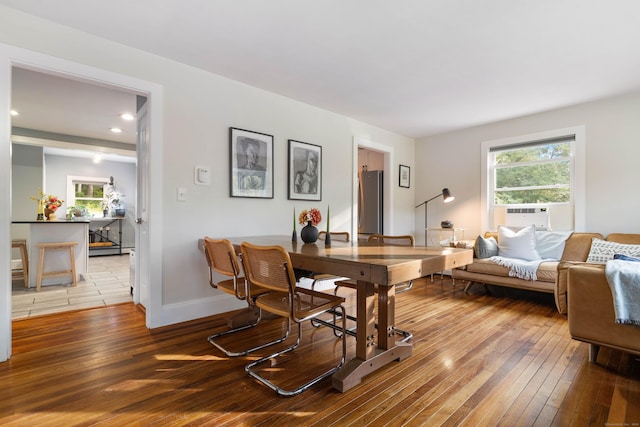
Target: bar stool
x,y
56,246
23,270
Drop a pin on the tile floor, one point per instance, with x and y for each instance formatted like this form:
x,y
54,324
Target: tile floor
x,y
106,282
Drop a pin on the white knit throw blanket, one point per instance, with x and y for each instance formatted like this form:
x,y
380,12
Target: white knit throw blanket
x,y
624,281
518,267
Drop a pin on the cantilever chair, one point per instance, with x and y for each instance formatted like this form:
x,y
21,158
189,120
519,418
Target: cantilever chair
x,y
222,259
270,267
402,240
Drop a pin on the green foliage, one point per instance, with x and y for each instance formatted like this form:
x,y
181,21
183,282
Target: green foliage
x,y
89,190
520,174
537,153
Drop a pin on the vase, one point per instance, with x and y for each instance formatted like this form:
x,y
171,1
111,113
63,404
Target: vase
x,y
309,234
40,216
47,213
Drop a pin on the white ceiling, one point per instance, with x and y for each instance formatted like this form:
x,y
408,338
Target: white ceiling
x,y
415,67
70,107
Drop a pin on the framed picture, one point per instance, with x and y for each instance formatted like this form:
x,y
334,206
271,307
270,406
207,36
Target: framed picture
x,y
305,171
405,176
251,164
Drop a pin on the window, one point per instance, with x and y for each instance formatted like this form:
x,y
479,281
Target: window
x,y
86,192
535,173
541,170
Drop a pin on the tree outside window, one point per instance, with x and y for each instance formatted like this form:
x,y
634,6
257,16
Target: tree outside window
x,y
533,174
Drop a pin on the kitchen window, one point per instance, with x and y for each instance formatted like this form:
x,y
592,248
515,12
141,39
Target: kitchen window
x,y
86,192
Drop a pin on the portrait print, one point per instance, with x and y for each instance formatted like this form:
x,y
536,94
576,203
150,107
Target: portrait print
x,y
305,171
251,164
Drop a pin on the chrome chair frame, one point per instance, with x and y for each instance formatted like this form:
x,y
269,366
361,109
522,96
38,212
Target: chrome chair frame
x,y
270,267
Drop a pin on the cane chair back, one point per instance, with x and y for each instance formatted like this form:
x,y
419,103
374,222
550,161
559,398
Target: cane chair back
x,y
403,240
342,236
222,259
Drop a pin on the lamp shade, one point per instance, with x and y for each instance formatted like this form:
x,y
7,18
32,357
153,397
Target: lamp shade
x,y
446,194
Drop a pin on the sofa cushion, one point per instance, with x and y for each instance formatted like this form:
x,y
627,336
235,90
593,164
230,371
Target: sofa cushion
x,y
521,244
550,244
546,272
485,248
603,251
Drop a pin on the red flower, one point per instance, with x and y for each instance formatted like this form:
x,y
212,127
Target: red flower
x,y
312,215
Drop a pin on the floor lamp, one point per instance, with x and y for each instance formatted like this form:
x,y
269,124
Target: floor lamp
x,y
446,194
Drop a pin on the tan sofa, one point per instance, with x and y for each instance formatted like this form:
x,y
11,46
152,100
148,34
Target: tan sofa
x,y
551,278
591,315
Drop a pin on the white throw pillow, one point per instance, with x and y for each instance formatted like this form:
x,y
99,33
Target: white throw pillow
x,y
520,245
550,244
602,250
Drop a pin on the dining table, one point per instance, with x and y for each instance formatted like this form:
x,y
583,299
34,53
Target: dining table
x,y
376,269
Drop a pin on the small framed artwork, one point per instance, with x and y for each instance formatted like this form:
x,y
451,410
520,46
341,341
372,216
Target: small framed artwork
x,y
251,164
305,171
405,176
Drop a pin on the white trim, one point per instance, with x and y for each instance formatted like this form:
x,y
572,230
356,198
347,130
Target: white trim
x,y
579,191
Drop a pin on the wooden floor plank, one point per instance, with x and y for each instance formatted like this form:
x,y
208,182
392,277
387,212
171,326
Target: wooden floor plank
x,y
503,358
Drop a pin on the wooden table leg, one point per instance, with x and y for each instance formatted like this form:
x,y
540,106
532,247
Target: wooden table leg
x,y
365,334
370,357
386,316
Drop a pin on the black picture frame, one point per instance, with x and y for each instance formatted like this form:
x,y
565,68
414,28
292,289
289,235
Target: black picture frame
x,y
404,176
304,183
250,164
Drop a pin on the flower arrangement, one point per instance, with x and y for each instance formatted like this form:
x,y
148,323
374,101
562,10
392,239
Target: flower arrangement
x,y
312,215
49,202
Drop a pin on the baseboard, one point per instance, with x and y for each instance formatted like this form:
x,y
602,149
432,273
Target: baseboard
x,y
195,309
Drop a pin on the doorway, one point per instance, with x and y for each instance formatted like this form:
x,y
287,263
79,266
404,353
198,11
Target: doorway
x,y
62,145
383,161
17,57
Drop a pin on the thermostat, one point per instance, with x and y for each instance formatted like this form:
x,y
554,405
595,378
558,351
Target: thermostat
x,y
202,175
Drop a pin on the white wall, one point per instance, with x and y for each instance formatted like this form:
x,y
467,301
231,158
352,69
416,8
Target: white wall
x,y
199,108
612,129
124,174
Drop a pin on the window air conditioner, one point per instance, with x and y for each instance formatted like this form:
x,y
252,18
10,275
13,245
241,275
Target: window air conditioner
x,y
522,217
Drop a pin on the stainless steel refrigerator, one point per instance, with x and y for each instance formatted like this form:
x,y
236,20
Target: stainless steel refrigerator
x,y
370,202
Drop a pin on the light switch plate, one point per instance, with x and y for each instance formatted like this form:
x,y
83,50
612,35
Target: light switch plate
x,y
181,194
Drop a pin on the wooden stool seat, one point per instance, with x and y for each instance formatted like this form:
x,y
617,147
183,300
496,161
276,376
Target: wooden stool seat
x,y
56,246
23,270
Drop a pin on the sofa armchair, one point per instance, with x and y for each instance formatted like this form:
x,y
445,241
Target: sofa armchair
x,y
591,313
549,279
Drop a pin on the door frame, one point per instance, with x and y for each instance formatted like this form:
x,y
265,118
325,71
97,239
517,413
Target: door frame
x,y
387,186
11,56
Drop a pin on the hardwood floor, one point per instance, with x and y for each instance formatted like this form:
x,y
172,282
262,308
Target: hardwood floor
x,y
500,359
